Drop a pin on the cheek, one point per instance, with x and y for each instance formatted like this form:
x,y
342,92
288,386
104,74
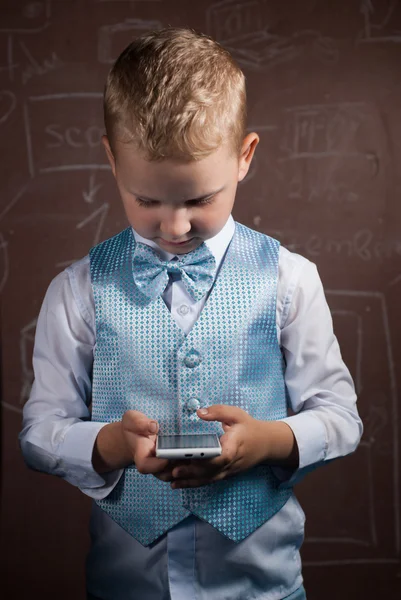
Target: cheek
x,y
141,219
216,216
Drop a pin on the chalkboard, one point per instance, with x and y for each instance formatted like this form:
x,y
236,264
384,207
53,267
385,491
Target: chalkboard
x,y
324,89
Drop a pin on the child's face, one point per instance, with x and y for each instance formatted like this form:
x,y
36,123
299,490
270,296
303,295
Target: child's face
x,y
173,202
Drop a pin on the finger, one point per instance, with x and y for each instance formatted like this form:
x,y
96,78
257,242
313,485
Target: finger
x,y
144,456
193,472
223,413
164,475
135,422
150,465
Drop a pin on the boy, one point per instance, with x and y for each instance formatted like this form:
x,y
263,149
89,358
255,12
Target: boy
x,y
187,322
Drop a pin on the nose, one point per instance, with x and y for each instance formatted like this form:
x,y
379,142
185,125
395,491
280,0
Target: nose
x,y
175,223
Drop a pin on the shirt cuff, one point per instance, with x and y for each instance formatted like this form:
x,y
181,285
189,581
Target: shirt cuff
x,y
75,452
311,438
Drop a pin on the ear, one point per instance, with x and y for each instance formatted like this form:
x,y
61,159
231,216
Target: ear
x,y
109,152
248,149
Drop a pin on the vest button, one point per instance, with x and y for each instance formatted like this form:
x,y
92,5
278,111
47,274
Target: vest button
x,y
192,359
193,404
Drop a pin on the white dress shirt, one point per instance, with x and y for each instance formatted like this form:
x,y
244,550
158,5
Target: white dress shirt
x,y
193,560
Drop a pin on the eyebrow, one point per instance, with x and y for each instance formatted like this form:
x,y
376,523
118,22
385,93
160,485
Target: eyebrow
x,y
190,200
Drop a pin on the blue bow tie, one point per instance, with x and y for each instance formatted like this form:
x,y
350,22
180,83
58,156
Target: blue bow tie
x,y
151,273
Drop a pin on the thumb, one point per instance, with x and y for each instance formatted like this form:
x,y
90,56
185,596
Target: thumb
x,y
223,413
136,422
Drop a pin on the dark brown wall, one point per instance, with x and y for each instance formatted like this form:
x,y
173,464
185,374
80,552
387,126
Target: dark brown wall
x,y
324,84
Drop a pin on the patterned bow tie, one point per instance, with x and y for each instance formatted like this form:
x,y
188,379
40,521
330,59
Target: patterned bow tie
x,y
151,273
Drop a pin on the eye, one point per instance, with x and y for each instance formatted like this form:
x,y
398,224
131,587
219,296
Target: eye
x,y
201,202
150,203
147,203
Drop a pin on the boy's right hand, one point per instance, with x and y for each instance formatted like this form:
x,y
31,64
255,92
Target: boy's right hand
x,y
140,434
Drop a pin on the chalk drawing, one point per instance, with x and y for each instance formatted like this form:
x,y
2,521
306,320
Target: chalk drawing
x,y
34,18
396,280
5,262
241,27
384,415
375,420
13,202
323,130
38,68
381,21
100,214
56,133
112,39
11,408
11,66
8,102
130,1
27,340
90,195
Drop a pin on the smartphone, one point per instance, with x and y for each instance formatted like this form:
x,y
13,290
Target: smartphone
x,y
196,445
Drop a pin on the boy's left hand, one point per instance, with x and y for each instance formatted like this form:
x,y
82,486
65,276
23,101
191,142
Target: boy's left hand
x,y
244,444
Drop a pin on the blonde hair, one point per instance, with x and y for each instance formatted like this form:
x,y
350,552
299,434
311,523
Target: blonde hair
x,y
176,93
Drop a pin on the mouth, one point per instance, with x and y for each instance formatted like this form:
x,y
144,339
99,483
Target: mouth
x,y
176,243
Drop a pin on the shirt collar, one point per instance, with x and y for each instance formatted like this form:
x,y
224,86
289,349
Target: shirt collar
x,y
217,245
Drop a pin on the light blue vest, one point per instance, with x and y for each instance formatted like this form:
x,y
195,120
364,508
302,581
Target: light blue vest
x,y
144,361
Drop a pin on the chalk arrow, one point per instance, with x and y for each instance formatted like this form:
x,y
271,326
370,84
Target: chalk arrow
x,y
89,196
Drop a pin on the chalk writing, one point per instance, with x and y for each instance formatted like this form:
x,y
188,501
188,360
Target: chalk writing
x,y
74,137
332,192
362,245
38,68
54,143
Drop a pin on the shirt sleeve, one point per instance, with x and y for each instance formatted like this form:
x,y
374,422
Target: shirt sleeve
x,y
321,393
57,435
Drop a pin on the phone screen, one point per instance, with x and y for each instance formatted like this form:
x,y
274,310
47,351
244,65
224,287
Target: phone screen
x,y
198,440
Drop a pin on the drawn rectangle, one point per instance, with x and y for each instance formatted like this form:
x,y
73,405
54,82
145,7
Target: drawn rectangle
x,y
231,22
64,132
112,39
